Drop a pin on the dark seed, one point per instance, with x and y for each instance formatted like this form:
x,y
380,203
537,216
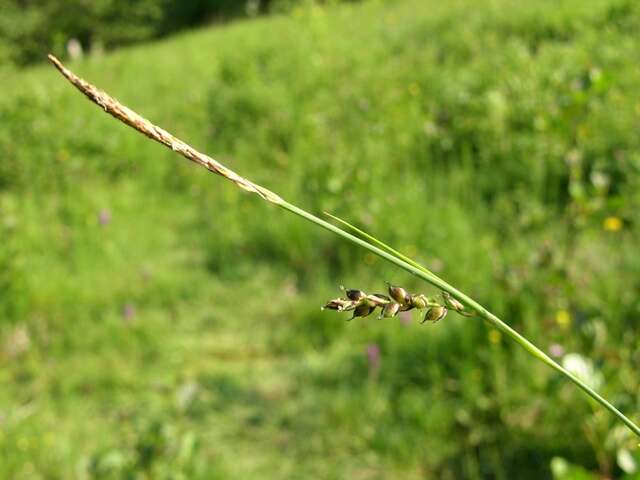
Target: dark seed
x,y
355,294
363,310
419,301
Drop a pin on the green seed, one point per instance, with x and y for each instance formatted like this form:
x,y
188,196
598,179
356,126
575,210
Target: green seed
x,y
452,303
419,301
435,313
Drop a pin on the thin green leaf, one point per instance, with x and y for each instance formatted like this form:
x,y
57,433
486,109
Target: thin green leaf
x,y
379,243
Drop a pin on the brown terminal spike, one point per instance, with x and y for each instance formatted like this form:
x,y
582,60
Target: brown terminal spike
x,y
144,126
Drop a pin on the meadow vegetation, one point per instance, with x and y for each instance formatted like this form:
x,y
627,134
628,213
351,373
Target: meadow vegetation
x,y
157,322
29,29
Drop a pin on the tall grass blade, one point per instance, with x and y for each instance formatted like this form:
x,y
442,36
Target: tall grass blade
x,y
379,243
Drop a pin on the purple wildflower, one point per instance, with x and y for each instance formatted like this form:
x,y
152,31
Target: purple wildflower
x,y
104,217
128,312
556,350
373,358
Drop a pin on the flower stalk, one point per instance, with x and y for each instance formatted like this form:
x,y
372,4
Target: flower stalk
x,y
453,298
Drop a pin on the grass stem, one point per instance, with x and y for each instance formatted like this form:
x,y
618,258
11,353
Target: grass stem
x,y
131,118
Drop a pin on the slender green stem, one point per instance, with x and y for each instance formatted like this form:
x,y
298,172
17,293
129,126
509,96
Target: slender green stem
x,y
414,268
380,244
144,126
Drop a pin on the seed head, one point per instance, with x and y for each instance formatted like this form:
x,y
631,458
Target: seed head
x,y
435,313
398,300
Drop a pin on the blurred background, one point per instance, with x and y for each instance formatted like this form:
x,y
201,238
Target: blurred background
x,y
158,322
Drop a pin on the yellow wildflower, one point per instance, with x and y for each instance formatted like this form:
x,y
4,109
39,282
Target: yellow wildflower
x,y
494,336
612,224
563,318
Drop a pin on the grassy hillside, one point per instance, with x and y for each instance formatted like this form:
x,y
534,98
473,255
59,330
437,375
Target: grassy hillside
x,y
156,322
29,30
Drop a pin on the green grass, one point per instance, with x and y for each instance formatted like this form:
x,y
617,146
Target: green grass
x,y
473,136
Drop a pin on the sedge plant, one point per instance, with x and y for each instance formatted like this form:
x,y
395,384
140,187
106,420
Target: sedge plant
x,y
461,302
